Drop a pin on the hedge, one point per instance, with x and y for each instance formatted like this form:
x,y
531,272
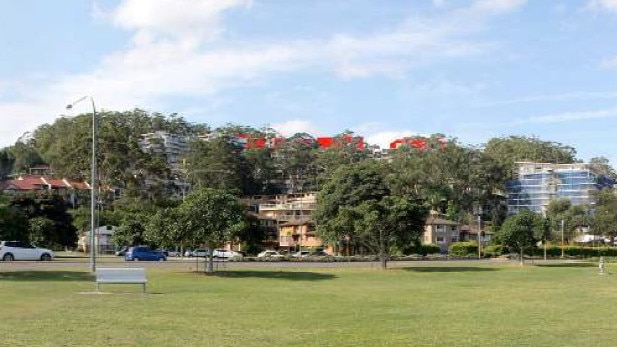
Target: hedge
x,y
554,251
462,249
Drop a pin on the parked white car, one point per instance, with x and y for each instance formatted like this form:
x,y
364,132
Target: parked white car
x,y
270,254
17,250
301,254
197,253
226,254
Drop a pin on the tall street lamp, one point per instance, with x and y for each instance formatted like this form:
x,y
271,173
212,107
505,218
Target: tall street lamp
x,y
93,179
562,238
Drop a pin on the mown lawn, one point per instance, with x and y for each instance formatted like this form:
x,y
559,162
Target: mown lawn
x,y
429,304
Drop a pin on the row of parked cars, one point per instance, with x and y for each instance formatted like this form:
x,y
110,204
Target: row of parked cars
x,y
300,254
144,253
217,253
17,250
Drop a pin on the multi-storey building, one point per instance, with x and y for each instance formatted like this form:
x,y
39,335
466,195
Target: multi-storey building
x,y
536,184
441,232
290,215
172,146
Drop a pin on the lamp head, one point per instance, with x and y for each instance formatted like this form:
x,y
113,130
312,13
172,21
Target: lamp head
x,y
69,106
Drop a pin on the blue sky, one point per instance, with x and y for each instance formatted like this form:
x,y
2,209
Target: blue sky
x,y
472,69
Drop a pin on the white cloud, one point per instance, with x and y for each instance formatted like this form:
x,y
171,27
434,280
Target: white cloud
x,y
195,19
384,138
570,117
498,6
292,127
609,5
609,63
177,49
576,95
172,53
439,3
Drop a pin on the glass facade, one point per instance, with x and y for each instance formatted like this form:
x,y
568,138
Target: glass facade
x,y
535,184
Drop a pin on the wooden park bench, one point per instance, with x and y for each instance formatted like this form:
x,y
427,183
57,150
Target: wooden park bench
x,y
121,276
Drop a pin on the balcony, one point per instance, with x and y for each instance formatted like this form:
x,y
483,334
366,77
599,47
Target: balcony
x,y
288,206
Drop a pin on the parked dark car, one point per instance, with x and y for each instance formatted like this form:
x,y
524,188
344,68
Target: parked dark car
x,y
143,253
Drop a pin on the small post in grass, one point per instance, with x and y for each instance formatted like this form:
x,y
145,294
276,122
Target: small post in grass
x,y
601,266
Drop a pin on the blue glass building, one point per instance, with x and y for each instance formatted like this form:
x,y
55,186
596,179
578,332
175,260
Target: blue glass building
x,y
536,184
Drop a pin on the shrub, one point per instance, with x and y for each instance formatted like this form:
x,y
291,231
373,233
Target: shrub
x,y
554,251
493,250
462,249
423,249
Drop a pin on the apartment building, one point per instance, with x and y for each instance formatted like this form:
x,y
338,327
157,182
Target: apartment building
x,y
172,146
441,232
535,184
290,215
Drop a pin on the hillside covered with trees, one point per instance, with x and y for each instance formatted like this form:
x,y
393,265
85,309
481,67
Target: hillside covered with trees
x,y
445,176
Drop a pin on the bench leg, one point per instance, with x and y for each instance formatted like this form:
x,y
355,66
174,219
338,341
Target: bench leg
x,y
97,287
143,287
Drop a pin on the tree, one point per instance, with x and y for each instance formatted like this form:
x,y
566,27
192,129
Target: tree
x,y
509,150
560,210
13,221
602,166
218,164
131,215
346,149
166,228
521,231
294,161
212,216
54,227
356,204
41,229
393,221
604,214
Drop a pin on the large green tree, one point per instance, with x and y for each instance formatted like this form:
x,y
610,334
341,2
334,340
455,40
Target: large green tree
x,y
356,204
295,162
521,231
212,217
508,150
604,214
13,221
167,228
48,221
218,164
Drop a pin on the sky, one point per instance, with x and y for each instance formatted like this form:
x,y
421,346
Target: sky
x,y
471,70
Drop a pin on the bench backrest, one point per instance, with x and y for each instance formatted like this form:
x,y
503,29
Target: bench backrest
x,y
121,274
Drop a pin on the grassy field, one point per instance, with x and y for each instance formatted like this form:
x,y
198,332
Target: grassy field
x,y
429,304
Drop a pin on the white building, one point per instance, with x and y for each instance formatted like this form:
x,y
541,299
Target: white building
x,y
172,146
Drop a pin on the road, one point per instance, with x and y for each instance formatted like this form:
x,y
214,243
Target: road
x,y
192,264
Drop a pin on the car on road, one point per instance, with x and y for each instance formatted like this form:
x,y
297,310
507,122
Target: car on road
x,y
170,253
18,250
301,254
200,252
319,254
143,253
270,254
226,254
121,251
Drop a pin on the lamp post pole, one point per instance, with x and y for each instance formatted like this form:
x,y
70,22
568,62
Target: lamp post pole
x,y
479,236
562,238
93,179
